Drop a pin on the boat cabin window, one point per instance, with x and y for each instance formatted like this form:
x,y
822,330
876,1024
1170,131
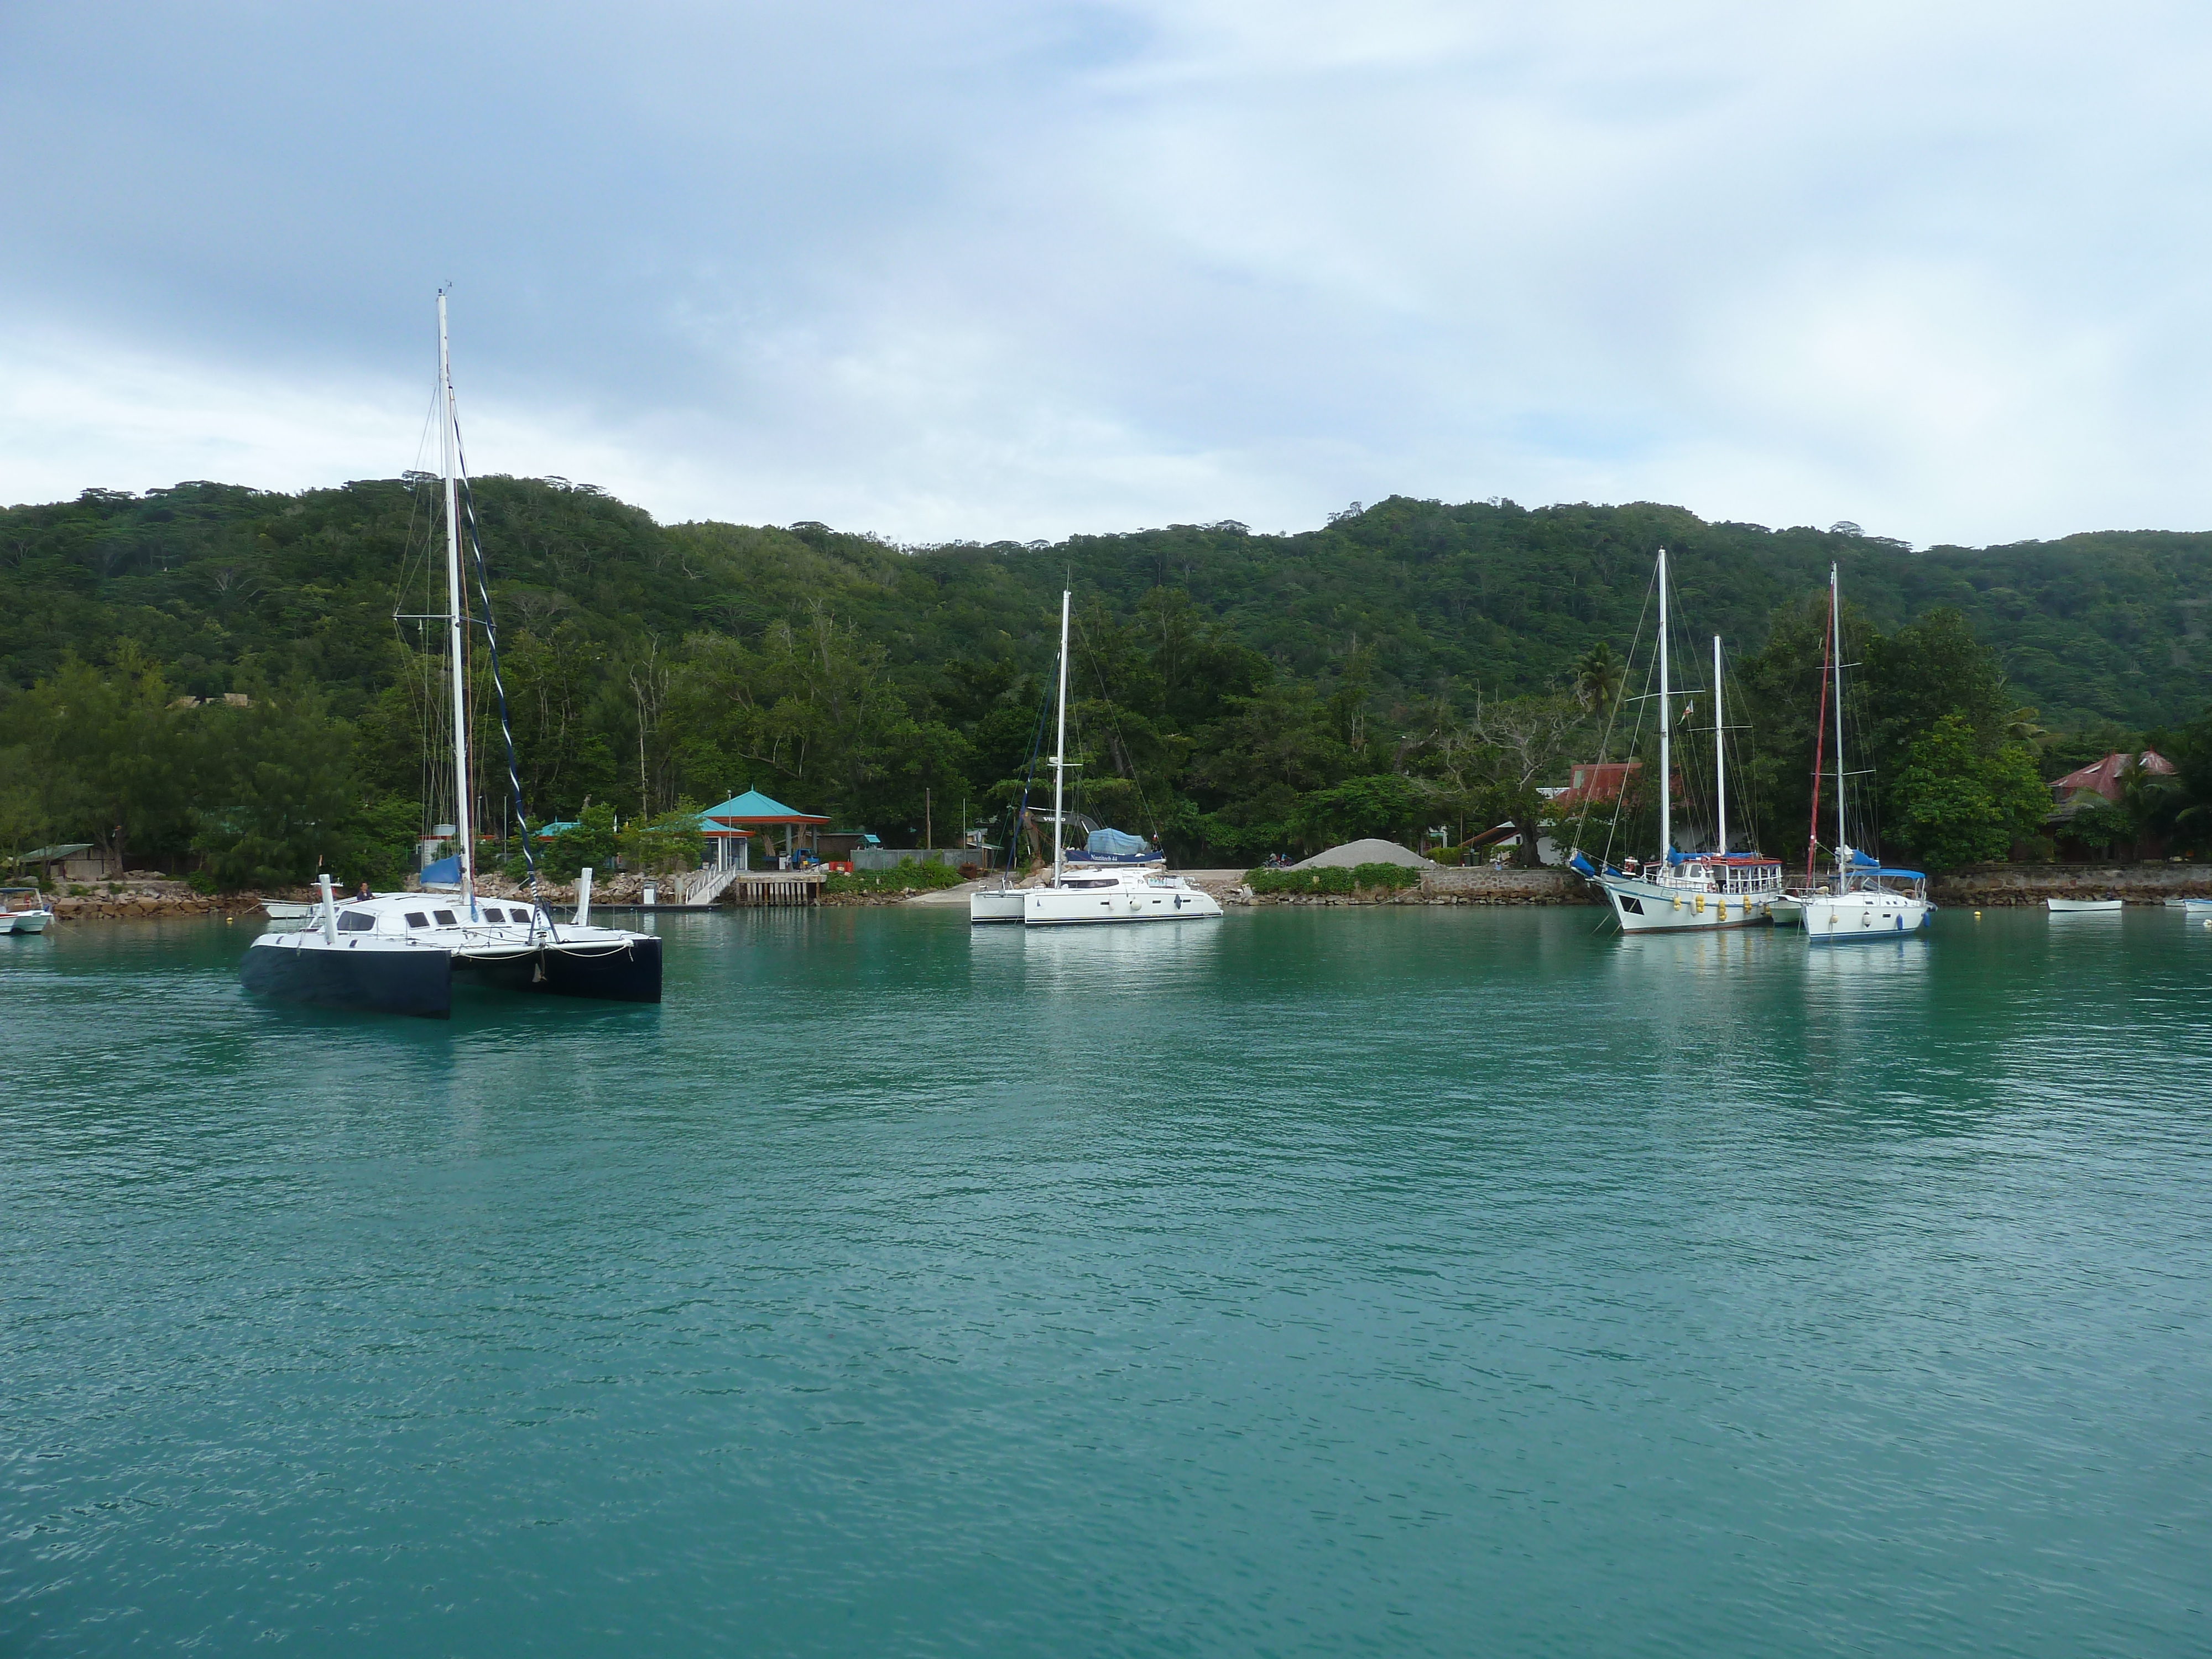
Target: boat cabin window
x,y
445,918
356,921
1090,883
417,919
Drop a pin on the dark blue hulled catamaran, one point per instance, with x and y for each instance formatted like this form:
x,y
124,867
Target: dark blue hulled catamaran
x,y
403,953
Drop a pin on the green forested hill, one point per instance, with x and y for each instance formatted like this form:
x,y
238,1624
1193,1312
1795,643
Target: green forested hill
x,y
1231,676
210,579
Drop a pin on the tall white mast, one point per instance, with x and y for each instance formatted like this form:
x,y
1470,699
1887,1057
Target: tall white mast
x,y
1835,653
1666,735
456,613
1060,745
1720,757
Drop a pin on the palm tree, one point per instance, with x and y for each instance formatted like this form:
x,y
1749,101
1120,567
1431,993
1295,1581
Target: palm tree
x,y
1597,678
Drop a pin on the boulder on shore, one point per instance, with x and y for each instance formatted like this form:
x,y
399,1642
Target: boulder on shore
x,y
1355,852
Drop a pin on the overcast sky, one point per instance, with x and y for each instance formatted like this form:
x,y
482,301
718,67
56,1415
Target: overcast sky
x,y
981,270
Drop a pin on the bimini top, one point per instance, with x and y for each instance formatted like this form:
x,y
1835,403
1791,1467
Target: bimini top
x,y
753,808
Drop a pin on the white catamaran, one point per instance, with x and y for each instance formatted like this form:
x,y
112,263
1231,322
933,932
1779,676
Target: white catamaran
x,y
1861,900
401,953
1135,891
1685,892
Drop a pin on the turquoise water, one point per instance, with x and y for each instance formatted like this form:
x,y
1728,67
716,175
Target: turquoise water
x,y
1396,1282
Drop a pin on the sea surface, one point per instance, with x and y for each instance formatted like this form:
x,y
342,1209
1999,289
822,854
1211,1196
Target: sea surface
x,y
1314,1281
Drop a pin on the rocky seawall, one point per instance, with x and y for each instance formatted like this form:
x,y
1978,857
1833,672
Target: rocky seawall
x,y
1991,886
1482,885
146,900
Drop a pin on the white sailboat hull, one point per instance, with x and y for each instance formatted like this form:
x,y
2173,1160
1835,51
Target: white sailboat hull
x,y
1124,901
1837,918
1003,905
1645,907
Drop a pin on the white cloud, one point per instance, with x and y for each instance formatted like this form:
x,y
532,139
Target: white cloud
x,y
996,271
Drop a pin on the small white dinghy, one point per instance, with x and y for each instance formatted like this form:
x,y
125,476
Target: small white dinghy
x,y
2080,907
280,910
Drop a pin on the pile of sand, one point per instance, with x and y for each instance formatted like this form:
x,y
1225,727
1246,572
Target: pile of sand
x,y
1354,853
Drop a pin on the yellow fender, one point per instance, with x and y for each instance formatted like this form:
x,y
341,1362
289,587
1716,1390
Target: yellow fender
x,y
1701,904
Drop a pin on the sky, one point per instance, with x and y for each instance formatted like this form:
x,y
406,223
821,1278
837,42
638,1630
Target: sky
x,y
969,271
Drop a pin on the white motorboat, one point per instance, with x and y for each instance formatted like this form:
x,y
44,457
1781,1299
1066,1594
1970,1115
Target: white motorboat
x,y
1685,892
1787,910
401,952
2065,907
24,910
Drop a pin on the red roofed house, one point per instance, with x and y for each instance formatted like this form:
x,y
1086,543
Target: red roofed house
x,y
2104,780
2103,776
1596,781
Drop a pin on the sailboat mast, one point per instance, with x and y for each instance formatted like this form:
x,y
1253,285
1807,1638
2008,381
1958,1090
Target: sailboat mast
x,y
1835,653
1720,757
455,615
1666,734
1060,748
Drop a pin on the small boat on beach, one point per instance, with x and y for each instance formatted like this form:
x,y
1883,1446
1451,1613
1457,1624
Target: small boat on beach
x,y
2059,907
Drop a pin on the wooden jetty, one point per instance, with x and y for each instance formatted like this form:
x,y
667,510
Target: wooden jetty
x,y
691,893
776,887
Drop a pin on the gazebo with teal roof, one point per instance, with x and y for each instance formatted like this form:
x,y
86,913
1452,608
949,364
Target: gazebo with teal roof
x,y
742,817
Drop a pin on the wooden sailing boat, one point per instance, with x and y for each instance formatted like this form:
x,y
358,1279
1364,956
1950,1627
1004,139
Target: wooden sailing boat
x,y
1681,892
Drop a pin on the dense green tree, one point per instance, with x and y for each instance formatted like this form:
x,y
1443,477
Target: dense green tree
x,y
1959,803
272,784
669,840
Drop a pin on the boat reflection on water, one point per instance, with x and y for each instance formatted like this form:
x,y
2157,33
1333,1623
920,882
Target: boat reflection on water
x,y
1687,952
1904,957
1102,960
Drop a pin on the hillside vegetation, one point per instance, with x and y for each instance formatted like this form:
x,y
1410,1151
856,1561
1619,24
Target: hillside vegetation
x,y
1235,692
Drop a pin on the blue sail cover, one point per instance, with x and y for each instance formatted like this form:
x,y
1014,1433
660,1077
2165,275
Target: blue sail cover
x,y
445,872
1114,844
